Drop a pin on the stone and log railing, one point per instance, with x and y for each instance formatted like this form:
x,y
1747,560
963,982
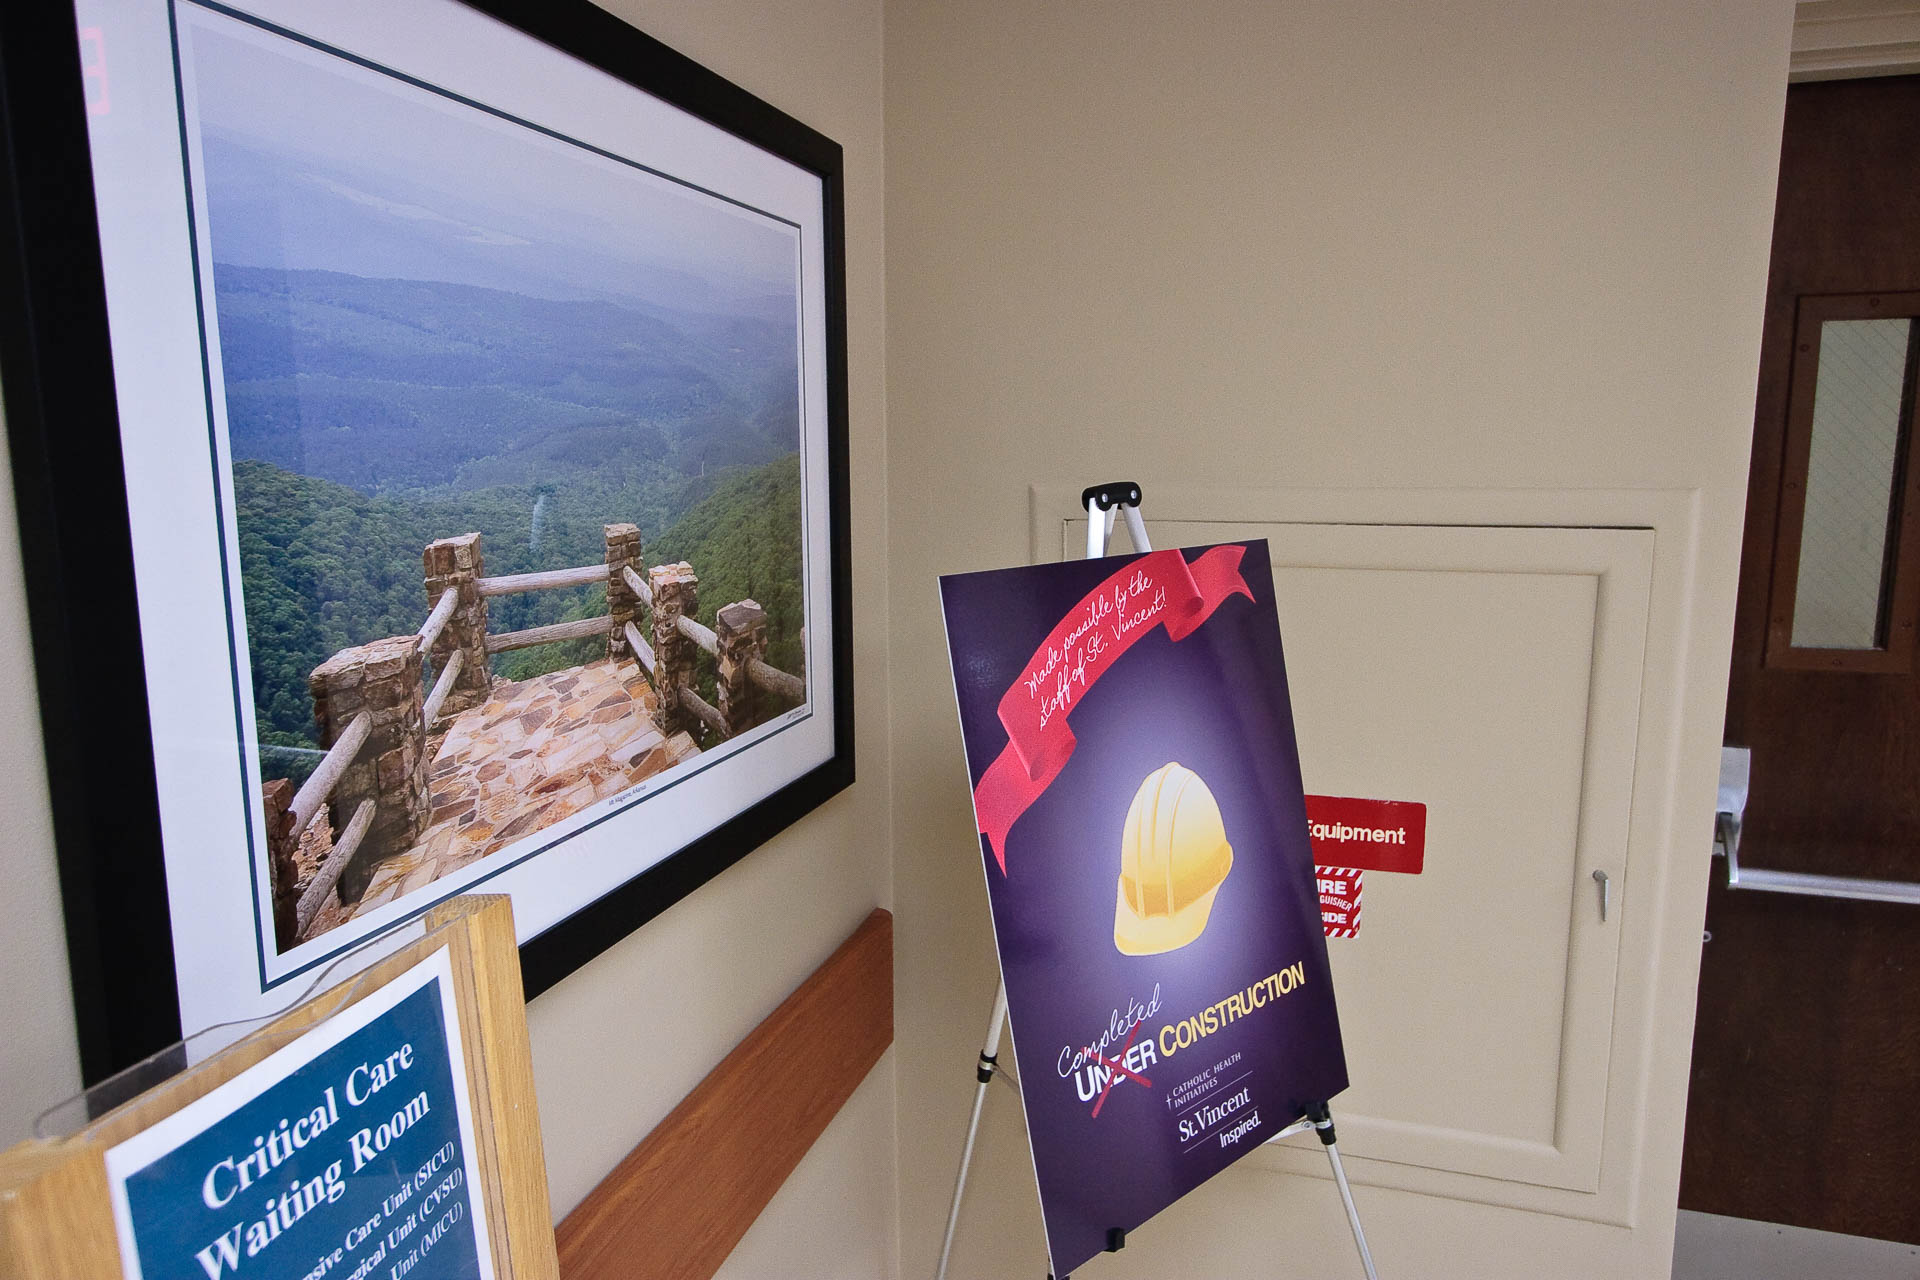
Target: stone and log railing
x,y
375,717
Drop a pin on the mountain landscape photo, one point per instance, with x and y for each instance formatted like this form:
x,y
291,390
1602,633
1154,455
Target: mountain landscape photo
x,y
369,417
432,321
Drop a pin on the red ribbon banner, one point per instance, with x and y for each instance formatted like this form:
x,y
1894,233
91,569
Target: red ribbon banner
x,y
1159,589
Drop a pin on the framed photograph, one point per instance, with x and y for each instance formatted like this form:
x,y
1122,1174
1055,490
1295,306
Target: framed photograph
x,y
428,424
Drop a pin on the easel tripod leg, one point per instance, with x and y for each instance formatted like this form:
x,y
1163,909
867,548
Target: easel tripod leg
x,y
989,1054
1323,1125
1099,530
1353,1214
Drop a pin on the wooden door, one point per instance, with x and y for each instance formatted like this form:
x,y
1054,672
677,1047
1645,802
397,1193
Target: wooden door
x,y
1806,1062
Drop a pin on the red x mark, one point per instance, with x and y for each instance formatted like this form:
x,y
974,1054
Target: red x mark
x,y
1116,1069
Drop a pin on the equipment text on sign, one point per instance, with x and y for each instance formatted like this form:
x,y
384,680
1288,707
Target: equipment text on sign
x,y
1369,835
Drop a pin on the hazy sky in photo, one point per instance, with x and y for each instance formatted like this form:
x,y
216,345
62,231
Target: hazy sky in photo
x,y
313,162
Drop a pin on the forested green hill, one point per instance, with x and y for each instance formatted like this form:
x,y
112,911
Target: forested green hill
x,y
368,417
744,543
325,567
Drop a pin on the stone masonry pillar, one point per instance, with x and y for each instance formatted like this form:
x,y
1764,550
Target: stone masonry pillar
x,y
742,632
457,563
675,591
381,681
623,606
276,801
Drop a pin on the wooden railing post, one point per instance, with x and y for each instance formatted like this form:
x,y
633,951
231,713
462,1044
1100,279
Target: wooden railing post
x,y
381,679
457,563
276,802
741,630
623,606
676,591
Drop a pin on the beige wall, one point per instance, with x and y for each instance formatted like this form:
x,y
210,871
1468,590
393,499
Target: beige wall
x,y
1464,246
39,1060
1236,244
620,1042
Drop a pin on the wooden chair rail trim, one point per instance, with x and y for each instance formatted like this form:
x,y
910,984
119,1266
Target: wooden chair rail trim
x,y
676,1206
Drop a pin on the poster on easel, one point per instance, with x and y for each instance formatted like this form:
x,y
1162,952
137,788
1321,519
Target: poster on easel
x,y
1136,785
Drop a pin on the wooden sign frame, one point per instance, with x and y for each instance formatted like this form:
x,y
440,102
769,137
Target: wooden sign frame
x,y
56,1216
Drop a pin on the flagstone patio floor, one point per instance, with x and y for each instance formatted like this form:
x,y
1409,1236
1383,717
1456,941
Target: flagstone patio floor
x,y
536,751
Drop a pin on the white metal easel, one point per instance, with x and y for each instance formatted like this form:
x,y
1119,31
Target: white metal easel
x,y
1101,503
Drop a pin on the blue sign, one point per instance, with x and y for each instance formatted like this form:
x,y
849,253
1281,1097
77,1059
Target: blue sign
x,y
346,1155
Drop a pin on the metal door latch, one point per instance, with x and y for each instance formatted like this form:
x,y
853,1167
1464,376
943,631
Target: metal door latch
x,y
1606,892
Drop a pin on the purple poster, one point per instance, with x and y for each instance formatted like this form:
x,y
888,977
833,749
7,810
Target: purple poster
x,y
1130,744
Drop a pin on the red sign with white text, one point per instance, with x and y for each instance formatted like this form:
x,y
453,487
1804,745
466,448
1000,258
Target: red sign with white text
x,y
1369,835
1339,900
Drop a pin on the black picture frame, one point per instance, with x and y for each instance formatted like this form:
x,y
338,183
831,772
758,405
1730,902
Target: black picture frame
x,y
63,427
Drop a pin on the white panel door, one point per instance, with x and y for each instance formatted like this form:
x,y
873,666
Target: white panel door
x,y
1495,674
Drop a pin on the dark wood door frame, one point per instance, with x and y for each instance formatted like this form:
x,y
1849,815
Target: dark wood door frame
x,y
1807,1037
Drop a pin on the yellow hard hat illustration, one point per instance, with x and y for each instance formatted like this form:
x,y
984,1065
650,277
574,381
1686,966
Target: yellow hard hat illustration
x,y
1174,856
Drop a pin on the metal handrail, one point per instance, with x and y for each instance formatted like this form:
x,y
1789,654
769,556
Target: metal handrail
x,y
1726,843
